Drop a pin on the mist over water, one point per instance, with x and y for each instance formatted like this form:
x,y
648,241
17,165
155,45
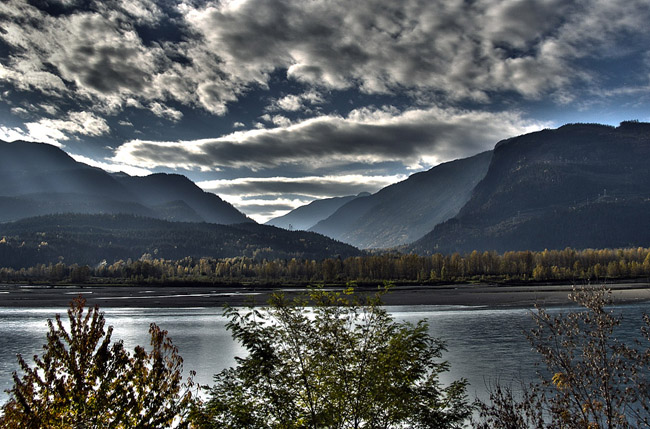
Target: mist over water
x,y
483,344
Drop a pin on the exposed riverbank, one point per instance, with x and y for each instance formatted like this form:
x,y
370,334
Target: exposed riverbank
x,y
209,296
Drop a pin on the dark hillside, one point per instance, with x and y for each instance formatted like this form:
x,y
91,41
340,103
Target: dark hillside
x,y
580,185
91,239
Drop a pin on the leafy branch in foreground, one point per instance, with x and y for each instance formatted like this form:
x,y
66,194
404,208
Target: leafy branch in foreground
x,y
82,380
332,360
594,380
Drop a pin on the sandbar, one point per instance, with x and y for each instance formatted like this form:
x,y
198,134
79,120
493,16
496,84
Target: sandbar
x,y
192,296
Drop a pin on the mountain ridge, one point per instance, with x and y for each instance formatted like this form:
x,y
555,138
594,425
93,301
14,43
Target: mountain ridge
x,y
570,186
42,179
405,211
308,215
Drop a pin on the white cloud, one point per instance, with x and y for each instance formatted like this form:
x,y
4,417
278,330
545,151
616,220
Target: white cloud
x,y
84,123
43,132
19,111
289,103
54,131
367,136
27,76
262,210
165,112
293,103
12,134
50,109
281,121
143,11
266,197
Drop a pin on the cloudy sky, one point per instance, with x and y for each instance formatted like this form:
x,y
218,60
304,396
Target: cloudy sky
x,y
272,103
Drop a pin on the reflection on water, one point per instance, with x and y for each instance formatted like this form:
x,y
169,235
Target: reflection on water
x,y
483,344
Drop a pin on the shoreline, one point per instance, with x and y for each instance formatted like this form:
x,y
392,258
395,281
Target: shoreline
x,y
470,295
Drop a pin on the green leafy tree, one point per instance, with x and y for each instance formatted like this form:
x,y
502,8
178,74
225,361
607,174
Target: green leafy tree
x,y
82,380
332,360
592,379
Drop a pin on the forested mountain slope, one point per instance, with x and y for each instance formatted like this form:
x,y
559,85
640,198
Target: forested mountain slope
x,y
403,212
581,185
91,239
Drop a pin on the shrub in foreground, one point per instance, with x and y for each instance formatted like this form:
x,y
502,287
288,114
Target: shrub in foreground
x,y
592,380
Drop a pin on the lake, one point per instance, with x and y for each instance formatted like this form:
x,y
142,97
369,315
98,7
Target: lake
x,y
484,344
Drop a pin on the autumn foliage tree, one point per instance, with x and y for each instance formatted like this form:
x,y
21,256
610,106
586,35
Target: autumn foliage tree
x,y
593,379
84,380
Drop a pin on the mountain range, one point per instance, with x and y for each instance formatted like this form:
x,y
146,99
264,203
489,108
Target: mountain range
x,y
39,179
53,208
580,186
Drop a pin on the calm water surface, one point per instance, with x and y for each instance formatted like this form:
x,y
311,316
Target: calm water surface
x,y
483,344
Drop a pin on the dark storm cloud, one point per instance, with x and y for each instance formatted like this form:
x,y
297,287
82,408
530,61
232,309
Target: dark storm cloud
x,y
113,51
106,71
367,136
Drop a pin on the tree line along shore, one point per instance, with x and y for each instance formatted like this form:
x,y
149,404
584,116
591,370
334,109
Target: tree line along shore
x,y
568,265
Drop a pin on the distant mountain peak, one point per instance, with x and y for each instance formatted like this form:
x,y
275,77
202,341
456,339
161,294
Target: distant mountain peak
x,y
308,215
403,212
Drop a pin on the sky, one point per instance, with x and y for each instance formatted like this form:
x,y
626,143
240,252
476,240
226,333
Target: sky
x,y
274,103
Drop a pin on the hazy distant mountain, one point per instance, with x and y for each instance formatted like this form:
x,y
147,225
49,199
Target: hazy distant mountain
x,y
582,186
90,239
38,179
304,217
35,168
161,189
403,212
